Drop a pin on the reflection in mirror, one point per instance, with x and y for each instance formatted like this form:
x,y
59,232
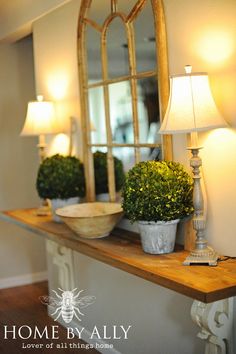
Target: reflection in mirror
x,y
120,98
148,111
126,6
121,113
153,153
99,10
94,65
117,55
145,40
97,116
122,122
126,155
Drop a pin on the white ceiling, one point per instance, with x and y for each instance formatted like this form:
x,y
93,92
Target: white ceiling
x,y
17,16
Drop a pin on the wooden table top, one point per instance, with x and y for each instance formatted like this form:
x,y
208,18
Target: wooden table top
x,y
123,250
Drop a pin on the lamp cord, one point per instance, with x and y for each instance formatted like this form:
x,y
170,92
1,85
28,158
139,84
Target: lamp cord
x,y
225,258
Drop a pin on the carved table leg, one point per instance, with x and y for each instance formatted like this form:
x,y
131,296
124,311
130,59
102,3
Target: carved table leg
x,y
62,257
216,322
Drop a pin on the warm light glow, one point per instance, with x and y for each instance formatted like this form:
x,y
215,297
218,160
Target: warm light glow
x,y
220,139
191,106
215,46
59,145
58,85
218,147
40,118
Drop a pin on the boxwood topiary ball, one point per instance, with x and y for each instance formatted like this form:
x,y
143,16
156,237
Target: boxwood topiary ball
x,y
157,191
61,177
100,172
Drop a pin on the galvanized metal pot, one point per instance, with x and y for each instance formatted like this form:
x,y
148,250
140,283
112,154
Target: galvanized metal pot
x,y
60,203
158,237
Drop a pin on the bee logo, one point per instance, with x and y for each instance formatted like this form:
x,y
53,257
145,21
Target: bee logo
x,y
68,304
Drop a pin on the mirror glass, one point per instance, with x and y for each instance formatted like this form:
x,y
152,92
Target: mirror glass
x,y
148,110
94,63
97,116
123,78
121,113
126,6
117,52
145,40
126,154
120,98
99,10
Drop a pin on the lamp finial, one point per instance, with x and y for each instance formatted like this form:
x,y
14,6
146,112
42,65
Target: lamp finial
x,y
188,69
40,98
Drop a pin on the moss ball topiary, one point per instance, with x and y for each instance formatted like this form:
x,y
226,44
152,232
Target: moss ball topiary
x,y
100,172
157,191
61,177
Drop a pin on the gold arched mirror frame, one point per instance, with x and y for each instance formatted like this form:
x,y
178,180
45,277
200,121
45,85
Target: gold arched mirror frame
x,y
161,73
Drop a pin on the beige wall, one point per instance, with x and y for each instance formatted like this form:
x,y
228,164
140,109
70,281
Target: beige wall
x,y
20,253
56,70
202,33
189,23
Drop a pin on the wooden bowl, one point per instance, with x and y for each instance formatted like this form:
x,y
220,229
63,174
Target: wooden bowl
x,y
91,220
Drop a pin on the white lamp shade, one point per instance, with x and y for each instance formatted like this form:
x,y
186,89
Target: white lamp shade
x,y
40,119
191,106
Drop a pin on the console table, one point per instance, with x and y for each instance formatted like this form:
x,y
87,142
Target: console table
x,y
212,288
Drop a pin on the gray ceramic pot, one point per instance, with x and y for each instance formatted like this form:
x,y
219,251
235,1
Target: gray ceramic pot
x,y
158,237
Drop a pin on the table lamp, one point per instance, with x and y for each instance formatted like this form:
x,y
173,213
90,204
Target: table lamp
x,y
191,108
40,120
